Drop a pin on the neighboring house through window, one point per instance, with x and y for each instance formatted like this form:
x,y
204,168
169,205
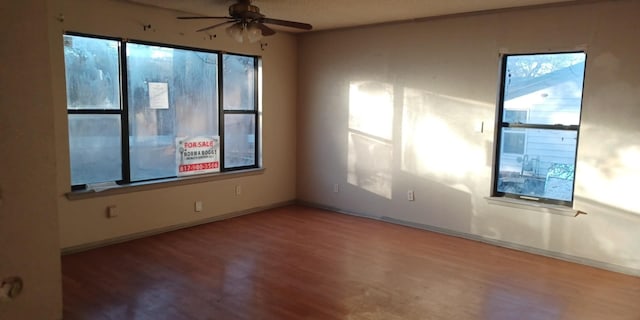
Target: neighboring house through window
x,y
538,126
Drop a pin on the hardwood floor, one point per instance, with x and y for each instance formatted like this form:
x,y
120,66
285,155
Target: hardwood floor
x,y
305,263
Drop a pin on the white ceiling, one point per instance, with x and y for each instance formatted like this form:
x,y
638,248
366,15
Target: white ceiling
x,y
332,14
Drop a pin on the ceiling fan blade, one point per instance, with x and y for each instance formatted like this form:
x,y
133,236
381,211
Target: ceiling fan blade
x,y
201,17
215,26
266,31
292,24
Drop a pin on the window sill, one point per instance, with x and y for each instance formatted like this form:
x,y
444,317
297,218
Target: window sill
x,y
102,190
535,206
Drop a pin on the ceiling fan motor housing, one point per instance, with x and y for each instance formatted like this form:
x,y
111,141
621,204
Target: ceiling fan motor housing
x,y
245,16
245,10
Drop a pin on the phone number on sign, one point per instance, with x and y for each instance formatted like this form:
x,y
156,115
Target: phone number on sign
x,y
198,166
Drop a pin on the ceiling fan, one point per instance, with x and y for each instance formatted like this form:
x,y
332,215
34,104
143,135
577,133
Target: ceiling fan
x,y
247,21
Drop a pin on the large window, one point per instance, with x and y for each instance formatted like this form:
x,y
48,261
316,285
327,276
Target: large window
x,y
140,111
538,125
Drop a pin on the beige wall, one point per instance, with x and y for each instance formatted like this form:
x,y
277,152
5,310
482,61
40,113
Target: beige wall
x,y
444,77
28,213
84,222
36,218
449,68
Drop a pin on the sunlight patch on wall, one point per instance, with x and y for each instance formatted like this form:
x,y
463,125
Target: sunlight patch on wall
x,y
370,155
370,164
371,108
431,144
615,182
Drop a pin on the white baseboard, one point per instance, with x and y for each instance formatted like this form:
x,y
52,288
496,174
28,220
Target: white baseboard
x,y
499,243
143,234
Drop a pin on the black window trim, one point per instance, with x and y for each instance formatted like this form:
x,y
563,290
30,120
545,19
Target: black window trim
x,y
254,112
124,107
501,125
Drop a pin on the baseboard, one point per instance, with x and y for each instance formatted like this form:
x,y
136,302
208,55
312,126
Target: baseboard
x,y
495,242
143,234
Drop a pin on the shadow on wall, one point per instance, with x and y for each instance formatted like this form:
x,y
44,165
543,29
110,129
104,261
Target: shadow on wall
x,y
620,245
395,130
397,134
430,146
609,171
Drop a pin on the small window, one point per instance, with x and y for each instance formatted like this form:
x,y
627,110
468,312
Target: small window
x,y
538,126
94,109
240,110
140,111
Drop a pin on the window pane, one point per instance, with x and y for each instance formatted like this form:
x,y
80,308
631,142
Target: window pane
x,y
545,88
92,73
172,94
513,141
515,116
239,82
240,140
545,169
95,148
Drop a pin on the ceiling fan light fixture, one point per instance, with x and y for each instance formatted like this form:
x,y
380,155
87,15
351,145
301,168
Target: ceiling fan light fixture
x,y
236,31
254,32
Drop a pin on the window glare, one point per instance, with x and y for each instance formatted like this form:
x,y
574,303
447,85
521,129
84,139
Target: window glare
x,y
241,140
169,110
239,86
95,148
92,73
547,86
172,93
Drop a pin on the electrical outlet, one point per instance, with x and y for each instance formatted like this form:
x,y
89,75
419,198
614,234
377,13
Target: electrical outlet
x,y
238,190
410,195
112,212
10,288
336,188
197,206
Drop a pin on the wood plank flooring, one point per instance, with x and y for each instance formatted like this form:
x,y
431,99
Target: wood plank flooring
x,y
304,263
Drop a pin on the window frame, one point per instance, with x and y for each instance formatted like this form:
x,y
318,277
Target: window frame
x,y
123,112
223,111
501,125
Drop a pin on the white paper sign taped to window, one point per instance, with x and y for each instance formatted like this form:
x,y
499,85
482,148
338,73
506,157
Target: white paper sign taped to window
x,y
158,95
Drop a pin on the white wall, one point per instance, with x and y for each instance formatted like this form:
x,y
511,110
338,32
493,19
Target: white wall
x,y
84,221
444,78
28,213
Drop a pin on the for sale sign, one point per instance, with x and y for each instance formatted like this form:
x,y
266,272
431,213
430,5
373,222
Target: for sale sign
x,y
197,155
